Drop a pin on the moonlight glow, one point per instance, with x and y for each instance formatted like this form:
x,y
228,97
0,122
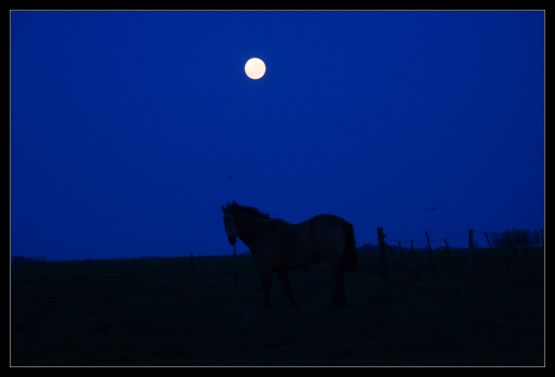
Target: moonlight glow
x,y
255,68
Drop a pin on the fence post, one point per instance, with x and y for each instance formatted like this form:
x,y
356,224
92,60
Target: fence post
x,y
470,249
383,255
432,265
448,252
526,243
509,251
235,268
193,264
487,239
511,245
401,252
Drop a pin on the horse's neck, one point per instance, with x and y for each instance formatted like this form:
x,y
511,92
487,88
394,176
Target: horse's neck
x,y
251,232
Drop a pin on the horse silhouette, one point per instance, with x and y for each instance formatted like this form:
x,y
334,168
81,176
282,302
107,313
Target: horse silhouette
x,y
278,246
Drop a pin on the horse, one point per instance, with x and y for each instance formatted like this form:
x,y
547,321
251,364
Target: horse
x,y
278,246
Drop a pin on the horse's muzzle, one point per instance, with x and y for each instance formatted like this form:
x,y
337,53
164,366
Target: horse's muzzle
x,y
232,240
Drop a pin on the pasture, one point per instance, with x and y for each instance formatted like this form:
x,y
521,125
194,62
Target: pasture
x,y
157,312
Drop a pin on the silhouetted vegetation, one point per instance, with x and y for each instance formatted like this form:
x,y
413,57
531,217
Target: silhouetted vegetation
x,y
517,238
21,259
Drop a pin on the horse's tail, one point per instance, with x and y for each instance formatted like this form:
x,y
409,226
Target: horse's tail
x,y
349,260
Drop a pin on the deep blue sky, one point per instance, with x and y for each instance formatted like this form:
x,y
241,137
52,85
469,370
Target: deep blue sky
x,y
125,126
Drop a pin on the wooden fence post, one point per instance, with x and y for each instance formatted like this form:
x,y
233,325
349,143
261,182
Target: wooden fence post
x,y
401,252
235,268
525,244
470,248
508,250
448,252
509,239
432,265
383,255
193,264
487,239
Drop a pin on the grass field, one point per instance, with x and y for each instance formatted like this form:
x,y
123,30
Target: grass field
x,y
158,312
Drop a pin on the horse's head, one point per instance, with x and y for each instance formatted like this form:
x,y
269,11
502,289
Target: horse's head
x,y
231,225
238,218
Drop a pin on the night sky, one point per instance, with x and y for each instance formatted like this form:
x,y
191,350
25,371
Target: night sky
x,y
129,129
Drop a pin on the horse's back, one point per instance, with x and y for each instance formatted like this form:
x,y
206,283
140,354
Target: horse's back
x,y
327,219
327,235
326,225
289,246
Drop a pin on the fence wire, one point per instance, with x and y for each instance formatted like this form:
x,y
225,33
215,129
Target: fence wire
x,y
422,242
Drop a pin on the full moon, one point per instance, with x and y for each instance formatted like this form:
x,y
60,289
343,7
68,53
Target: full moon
x,y
255,68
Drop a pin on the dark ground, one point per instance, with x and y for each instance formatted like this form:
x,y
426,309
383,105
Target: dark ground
x,y
157,312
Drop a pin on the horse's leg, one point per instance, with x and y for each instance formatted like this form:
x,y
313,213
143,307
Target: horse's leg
x,y
266,275
284,278
341,288
339,295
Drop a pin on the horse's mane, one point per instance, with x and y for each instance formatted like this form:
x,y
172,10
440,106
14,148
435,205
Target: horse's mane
x,y
235,208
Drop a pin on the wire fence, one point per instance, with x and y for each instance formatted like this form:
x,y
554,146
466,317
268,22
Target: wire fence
x,y
506,242
488,237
